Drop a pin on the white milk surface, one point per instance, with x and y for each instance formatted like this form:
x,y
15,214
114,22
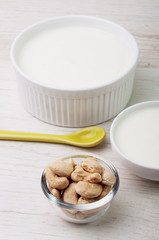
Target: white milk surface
x,y
137,136
74,57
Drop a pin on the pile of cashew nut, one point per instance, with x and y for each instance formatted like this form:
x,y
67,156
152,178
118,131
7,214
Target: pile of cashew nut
x,y
79,183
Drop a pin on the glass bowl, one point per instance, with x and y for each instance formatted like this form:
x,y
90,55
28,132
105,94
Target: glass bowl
x,y
82,213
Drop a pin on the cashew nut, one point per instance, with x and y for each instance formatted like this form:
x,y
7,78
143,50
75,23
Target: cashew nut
x,y
91,165
108,178
70,194
70,161
62,168
105,191
81,175
79,215
88,190
83,200
56,193
54,181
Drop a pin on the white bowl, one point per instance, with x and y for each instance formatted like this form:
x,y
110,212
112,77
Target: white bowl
x,y
137,168
75,108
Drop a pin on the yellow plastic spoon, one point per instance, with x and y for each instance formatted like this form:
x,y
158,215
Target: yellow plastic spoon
x,y
86,137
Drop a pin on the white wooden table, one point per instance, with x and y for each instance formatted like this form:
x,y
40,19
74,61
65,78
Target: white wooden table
x,y
24,211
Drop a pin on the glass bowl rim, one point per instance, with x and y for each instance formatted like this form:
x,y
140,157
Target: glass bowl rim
x,y
82,207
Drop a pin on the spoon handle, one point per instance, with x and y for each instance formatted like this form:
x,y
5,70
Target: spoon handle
x,y
32,137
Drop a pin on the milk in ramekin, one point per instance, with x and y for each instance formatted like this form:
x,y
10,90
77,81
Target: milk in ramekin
x,y
75,57
75,70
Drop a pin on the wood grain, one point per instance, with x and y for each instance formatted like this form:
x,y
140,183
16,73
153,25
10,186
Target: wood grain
x,y
24,211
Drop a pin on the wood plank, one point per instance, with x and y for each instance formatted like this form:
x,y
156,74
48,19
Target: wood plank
x,y
24,210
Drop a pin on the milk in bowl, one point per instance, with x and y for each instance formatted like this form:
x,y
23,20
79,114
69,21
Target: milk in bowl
x,y
75,57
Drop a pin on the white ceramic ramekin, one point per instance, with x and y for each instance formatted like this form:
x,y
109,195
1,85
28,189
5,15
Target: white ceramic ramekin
x,y
75,108
136,168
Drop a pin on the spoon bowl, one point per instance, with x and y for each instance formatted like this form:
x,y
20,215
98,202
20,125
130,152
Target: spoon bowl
x,y
86,137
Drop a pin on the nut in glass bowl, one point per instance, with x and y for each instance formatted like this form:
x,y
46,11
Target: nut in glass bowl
x,y
87,209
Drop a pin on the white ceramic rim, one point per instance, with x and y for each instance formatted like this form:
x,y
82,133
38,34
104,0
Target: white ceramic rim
x,y
18,69
115,121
